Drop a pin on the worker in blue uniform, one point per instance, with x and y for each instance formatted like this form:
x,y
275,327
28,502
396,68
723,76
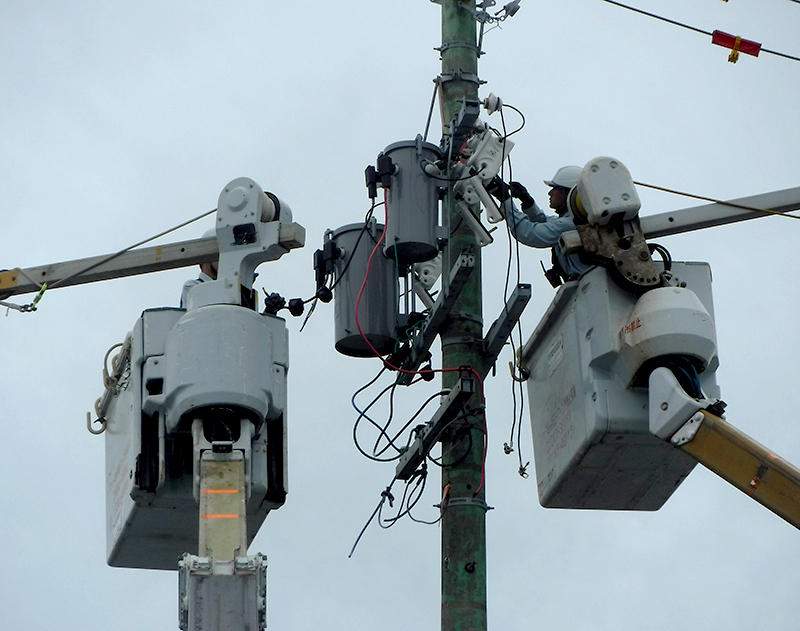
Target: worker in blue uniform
x,y
531,226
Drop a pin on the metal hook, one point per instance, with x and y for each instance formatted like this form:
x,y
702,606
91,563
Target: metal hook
x,y
523,376
89,424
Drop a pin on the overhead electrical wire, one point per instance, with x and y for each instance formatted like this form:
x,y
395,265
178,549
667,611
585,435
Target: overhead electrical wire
x,y
695,29
383,430
408,500
462,431
517,389
386,495
411,495
129,248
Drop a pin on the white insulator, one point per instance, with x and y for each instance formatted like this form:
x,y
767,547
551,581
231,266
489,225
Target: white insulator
x,y
429,271
492,103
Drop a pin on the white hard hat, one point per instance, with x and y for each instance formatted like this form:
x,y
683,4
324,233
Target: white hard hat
x,y
565,177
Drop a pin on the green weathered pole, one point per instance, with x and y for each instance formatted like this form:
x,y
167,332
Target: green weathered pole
x,y
464,518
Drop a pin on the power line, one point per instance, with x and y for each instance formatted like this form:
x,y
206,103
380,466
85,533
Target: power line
x,y
698,30
658,17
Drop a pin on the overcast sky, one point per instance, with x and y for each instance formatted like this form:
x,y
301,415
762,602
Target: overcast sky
x,y
121,119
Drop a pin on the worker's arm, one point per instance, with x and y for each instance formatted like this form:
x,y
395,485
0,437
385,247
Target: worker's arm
x,y
535,229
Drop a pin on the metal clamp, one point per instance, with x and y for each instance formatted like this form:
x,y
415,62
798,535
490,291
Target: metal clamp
x,y
688,431
468,501
464,76
448,45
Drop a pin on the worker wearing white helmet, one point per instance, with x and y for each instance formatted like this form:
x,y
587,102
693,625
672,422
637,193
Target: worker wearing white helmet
x,y
536,229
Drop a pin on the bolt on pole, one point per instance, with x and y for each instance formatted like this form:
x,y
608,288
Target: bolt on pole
x,y
464,508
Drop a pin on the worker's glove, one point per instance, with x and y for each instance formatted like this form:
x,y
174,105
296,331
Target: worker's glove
x,y
522,194
498,189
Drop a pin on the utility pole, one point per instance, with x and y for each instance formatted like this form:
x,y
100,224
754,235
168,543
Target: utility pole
x,y
464,518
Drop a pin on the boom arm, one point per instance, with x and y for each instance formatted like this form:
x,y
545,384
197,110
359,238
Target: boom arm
x,y
140,261
749,466
695,427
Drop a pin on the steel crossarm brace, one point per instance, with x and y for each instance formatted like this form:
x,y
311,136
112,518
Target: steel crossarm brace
x,y
430,432
138,261
441,310
501,328
710,215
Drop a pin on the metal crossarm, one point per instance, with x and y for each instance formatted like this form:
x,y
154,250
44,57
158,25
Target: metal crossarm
x,y
441,309
429,434
499,331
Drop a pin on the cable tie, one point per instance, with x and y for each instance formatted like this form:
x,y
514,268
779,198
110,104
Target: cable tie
x,y
32,306
734,56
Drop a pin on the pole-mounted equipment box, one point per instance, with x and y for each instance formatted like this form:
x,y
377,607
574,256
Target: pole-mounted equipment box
x,y
408,173
358,265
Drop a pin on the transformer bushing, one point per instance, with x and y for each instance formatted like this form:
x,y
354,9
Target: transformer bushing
x,y
378,305
412,202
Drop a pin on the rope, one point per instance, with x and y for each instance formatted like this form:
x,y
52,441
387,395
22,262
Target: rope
x,y
717,201
131,247
42,287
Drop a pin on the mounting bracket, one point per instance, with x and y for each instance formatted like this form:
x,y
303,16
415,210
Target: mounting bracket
x,y
459,274
429,434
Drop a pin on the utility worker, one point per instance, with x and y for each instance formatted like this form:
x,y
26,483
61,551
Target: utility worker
x,y
208,272
533,227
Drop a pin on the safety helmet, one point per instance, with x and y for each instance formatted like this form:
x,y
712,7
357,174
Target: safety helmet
x,y
565,177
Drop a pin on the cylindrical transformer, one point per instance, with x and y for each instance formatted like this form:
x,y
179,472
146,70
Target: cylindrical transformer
x,y
412,202
377,312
